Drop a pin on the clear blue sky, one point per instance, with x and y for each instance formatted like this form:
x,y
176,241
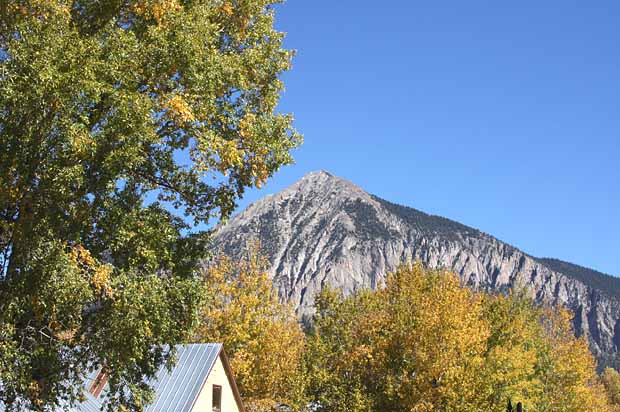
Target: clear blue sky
x,y
503,117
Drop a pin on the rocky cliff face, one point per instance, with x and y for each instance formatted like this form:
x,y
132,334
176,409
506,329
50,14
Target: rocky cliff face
x,y
324,230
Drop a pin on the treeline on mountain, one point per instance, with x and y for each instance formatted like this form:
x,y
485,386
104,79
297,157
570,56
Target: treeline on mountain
x,y
602,282
605,283
423,343
428,223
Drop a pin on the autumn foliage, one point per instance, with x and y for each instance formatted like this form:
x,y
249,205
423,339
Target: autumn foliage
x,y
262,337
611,381
126,128
426,343
423,343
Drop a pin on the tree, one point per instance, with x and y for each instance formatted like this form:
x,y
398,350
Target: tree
x,y
337,347
567,368
433,351
610,378
123,124
533,357
510,366
417,345
262,336
427,343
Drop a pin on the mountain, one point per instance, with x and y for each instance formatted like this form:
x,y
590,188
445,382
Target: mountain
x,y
324,230
610,285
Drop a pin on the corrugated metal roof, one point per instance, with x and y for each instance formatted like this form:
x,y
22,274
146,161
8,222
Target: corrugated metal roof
x,y
175,390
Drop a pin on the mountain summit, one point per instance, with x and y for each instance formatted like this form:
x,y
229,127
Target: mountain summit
x,y
324,230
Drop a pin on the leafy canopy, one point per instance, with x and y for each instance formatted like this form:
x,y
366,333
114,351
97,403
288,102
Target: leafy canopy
x,y
611,380
112,114
426,343
261,335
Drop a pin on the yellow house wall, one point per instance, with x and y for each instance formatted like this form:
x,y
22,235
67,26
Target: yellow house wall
x,y
216,377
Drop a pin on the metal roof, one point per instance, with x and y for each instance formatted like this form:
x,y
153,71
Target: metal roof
x,y
178,389
175,390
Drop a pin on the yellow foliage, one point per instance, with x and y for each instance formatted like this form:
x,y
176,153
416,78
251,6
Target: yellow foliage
x,y
227,8
163,7
228,155
179,110
246,124
261,336
440,326
10,194
610,378
34,388
99,274
427,343
101,279
569,375
40,8
65,335
158,10
81,142
81,256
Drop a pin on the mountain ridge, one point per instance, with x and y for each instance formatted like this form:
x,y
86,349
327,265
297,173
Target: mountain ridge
x,y
596,279
603,282
324,229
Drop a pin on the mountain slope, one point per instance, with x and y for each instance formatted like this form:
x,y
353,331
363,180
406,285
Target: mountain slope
x,y
324,230
610,285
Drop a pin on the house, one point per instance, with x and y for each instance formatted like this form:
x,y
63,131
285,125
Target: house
x,y
201,381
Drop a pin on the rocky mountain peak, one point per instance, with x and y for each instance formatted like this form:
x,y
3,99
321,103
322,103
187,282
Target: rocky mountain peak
x,y
321,182
325,230
318,175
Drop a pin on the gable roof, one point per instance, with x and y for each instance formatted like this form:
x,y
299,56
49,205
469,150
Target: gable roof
x,y
175,390
231,380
